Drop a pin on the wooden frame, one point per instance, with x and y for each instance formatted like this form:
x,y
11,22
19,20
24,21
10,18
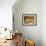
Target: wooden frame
x,y
29,19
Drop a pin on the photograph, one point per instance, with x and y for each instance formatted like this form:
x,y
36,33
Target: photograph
x,y
29,19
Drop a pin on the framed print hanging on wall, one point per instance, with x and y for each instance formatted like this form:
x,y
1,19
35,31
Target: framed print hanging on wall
x,y
29,19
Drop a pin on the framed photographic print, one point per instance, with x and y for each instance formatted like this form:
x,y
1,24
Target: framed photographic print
x,y
29,19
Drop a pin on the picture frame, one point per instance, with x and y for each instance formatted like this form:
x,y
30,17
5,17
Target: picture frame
x,y
29,19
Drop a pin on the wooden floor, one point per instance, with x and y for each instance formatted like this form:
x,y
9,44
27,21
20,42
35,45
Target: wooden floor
x,y
9,43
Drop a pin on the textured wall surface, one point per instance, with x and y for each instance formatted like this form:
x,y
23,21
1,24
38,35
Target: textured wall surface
x,y
28,7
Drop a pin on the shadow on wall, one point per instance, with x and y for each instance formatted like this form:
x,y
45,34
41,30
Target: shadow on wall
x,y
17,4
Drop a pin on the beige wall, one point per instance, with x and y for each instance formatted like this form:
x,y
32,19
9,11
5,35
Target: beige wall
x,y
28,7
37,33
43,22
